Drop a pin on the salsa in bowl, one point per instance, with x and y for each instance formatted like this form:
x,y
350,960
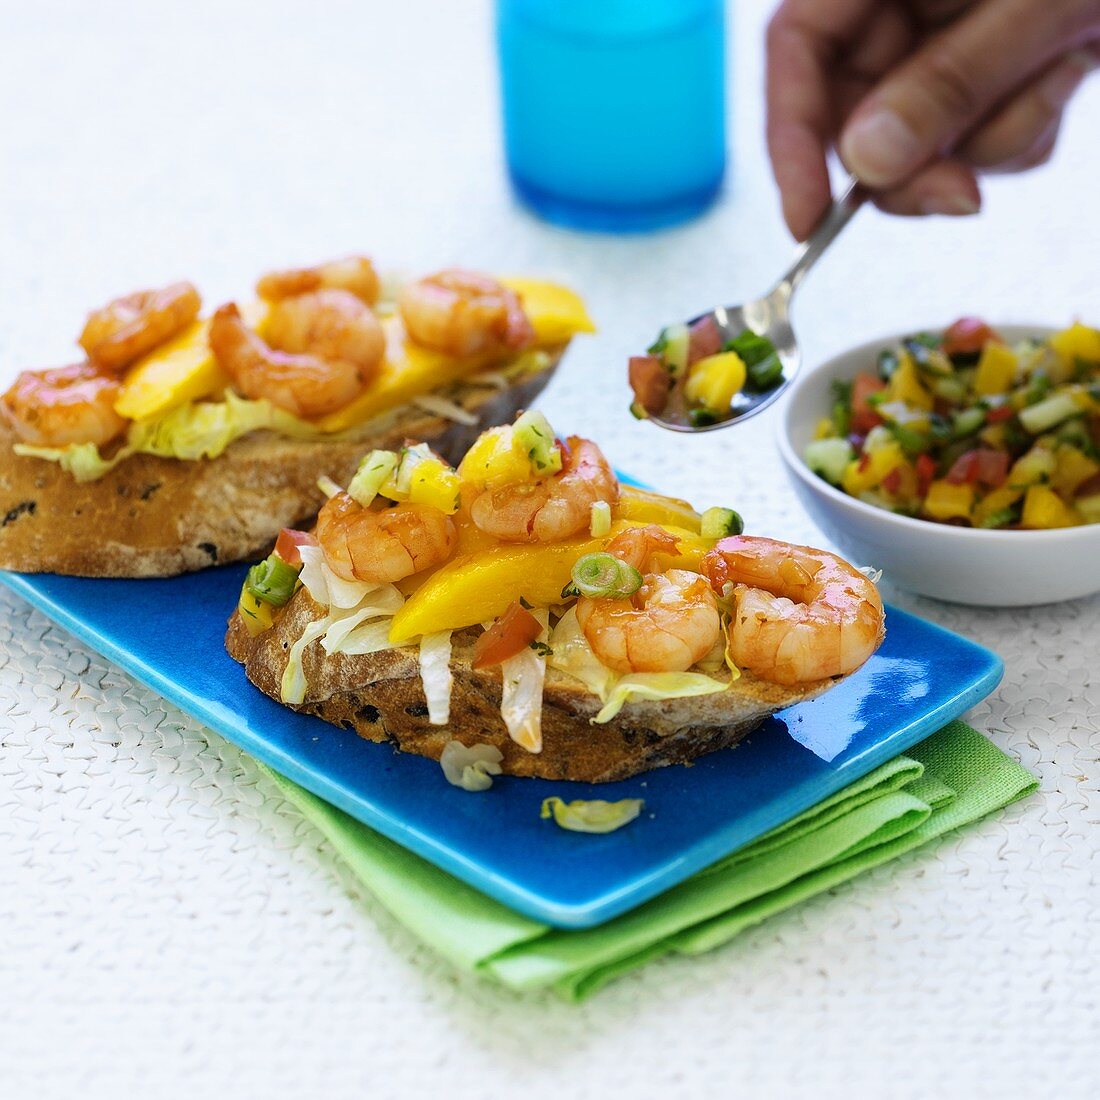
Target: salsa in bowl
x,y
953,559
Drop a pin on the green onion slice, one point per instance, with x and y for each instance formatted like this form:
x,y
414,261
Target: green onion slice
x,y
272,581
604,576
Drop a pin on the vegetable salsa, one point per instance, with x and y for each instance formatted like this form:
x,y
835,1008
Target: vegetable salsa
x,y
963,428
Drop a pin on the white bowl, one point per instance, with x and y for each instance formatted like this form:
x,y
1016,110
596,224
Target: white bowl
x,y
960,564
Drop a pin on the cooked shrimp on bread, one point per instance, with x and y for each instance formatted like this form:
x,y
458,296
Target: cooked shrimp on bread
x,y
128,327
799,614
383,544
355,274
667,625
64,405
322,350
463,313
551,508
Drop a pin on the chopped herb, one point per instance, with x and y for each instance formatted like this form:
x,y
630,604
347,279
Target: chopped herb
x,y
542,649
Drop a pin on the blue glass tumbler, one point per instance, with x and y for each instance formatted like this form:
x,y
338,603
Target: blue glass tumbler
x,y
614,110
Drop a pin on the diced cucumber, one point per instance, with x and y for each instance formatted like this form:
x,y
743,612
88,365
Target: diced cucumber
x,y
677,341
535,436
829,457
950,389
407,461
373,472
877,438
1049,412
967,421
717,523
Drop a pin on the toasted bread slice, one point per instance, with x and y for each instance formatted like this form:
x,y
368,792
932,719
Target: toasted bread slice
x,y
380,696
158,517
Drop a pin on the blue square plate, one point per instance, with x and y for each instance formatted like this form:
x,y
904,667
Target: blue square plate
x,y
169,634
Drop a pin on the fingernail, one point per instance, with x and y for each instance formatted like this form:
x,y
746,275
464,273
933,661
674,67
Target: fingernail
x,y
954,206
880,148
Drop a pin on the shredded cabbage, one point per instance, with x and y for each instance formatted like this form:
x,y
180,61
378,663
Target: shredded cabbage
x,y
292,687
329,590
523,677
199,429
656,686
470,768
573,655
435,673
443,406
593,816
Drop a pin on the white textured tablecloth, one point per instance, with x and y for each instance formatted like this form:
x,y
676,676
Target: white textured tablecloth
x,y
169,926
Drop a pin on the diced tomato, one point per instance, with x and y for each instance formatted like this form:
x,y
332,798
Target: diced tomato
x,y
983,464
926,473
892,481
967,336
1000,414
864,417
650,382
704,338
992,467
864,462
509,635
289,542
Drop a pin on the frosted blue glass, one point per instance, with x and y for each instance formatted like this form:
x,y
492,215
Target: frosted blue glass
x,y
614,110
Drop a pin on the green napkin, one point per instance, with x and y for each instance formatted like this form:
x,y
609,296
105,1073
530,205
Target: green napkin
x,y
954,777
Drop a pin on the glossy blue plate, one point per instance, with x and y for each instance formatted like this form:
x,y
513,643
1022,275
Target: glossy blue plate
x,y
168,633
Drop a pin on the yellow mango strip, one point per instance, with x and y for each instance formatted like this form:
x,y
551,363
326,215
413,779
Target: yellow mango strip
x,y
556,313
182,369
478,587
642,506
409,370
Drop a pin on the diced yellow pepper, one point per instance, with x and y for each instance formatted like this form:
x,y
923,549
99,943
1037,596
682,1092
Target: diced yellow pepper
x,y
824,428
1072,468
905,385
996,369
1045,509
494,460
1037,465
997,500
480,586
640,506
257,615
866,473
714,380
1077,342
945,501
556,313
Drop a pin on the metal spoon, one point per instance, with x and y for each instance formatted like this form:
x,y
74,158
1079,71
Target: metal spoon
x,y
770,316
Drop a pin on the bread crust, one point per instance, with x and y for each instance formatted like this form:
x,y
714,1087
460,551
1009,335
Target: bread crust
x,y
158,517
380,696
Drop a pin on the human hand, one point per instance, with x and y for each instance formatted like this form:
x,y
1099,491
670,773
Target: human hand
x,y
919,96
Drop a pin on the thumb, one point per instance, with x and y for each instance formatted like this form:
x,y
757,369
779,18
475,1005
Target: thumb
x,y
922,108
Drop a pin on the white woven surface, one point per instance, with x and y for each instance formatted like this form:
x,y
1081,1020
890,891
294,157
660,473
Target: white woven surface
x,y
170,927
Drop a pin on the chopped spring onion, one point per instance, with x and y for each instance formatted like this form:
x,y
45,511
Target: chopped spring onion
x,y
717,523
373,471
272,581
603,575
600,522
760,358
591,816
328,487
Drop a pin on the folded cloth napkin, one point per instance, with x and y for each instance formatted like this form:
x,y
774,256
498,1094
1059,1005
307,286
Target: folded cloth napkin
x,y
952,778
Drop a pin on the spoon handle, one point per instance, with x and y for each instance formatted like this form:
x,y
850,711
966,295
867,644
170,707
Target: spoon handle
x,y
828,229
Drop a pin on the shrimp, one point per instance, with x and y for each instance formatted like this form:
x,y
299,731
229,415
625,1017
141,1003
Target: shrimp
x,y
463,313
670,623
800,614
553,508
352,273
127,328
53,408
322,350
383,545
